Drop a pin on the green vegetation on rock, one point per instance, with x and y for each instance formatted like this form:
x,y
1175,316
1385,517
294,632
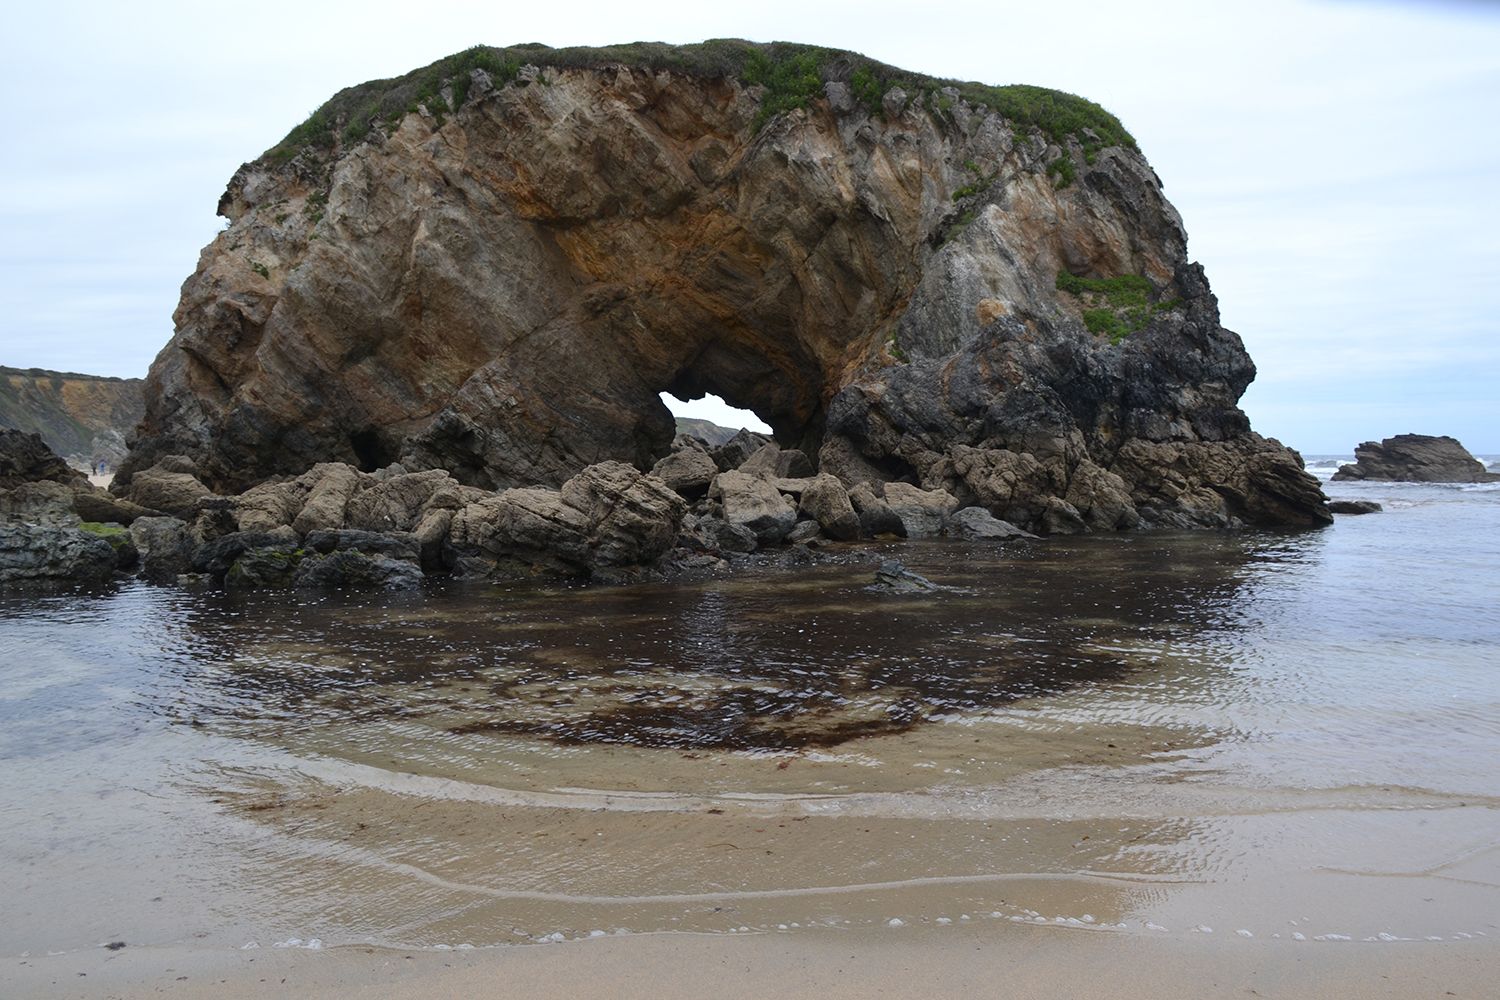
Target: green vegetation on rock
x,y
1115,307
792,75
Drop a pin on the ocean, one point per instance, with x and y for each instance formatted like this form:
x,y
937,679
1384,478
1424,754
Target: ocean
x,y
1254,734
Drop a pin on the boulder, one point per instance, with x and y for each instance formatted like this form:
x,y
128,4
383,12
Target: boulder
x,y
1415,458
165,548
894,578
922,512
825,500
25,458
329,486
172,492
97,505
265,568
431,533
1101,498
876,518
402,545
397,503
771,462
216,557
978,524
733,453
754,504
52,553
1061,518
118,537
610,516
41,502
1354,507
527,529
687,471
804,532
633,518
350,569
268,506
717,535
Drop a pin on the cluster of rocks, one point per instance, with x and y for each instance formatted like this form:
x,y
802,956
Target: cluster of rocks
x,y
750,494
43,535
700,508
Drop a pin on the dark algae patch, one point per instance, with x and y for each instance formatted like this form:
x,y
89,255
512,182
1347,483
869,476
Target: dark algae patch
x,y
791,75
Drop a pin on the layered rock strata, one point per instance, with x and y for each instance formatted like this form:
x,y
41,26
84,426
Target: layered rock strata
x,y
493,267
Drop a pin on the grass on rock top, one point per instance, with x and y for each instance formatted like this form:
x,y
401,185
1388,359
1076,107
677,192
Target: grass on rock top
x,y
793,76
1116,307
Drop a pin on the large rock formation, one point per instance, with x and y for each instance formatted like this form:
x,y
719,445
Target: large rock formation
x,y
1416,458
493,266
84,418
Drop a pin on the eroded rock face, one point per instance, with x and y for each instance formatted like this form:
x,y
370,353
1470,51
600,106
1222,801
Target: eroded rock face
x,y
1416,458
502,291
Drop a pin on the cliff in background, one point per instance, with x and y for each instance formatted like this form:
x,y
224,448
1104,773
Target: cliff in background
x,y
494,265
84,418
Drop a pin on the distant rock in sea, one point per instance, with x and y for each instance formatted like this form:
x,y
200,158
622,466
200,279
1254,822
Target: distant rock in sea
x,y
1354,507
1415,458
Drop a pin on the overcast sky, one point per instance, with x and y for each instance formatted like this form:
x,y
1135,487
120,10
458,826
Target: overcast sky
x,y
1337,163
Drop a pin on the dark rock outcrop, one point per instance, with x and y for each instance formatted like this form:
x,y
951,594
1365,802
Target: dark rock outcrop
x,y
53,553
25,458
1415,458
1354,507
918,290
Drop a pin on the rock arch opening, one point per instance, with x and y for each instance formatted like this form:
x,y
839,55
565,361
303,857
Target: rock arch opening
x,y
709,409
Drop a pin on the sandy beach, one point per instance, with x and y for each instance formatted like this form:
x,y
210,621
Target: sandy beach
x,y
1003,961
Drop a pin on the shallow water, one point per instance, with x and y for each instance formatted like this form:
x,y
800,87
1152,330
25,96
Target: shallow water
x,y
1262,734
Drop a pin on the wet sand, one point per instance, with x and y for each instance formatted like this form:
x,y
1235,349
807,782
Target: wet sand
x,y
1142,766
830,965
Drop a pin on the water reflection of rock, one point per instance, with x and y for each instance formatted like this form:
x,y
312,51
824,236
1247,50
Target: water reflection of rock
x,y
776,662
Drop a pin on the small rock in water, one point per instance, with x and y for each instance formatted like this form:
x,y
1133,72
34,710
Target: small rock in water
x,y
1354,507
894,578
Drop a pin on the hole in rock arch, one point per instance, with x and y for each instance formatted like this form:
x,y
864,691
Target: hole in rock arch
x,y
714,410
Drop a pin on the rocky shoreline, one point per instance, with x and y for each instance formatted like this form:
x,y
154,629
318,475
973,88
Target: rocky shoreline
x,y
334,527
